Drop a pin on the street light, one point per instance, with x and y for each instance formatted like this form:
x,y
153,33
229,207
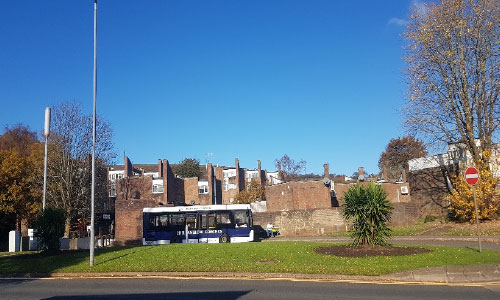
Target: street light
x,y
92,233
46,133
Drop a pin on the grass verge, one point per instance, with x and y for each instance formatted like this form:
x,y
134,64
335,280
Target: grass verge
x,y
283,257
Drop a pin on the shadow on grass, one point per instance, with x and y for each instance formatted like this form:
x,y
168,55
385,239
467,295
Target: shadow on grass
x,y
136,250
38,264
184,296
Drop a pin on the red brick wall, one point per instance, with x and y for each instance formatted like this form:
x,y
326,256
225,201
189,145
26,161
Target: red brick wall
x,y
133,194
428,190
190,190
297,195
390,188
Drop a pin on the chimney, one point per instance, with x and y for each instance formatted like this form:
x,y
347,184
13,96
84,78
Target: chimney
x,y
211,184
237,167
280,174
166,182
160,168
128,167
361,174
326,170
259,172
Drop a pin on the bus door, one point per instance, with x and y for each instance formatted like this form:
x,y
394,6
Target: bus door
x,y
192,226
208,232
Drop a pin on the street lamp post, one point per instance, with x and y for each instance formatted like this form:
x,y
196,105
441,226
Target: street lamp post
x,y
46,133
92,231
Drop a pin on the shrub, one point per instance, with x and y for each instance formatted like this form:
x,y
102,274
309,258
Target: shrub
x,y
50,227
370,212
462,198
429,218
254,192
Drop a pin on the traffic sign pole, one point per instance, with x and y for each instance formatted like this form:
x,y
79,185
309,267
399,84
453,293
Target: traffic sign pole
x,y
472,177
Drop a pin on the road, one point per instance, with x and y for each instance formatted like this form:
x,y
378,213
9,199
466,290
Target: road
x,y
184,289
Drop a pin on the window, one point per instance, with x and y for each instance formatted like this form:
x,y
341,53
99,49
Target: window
x,y
191,221
223,218
157,188
240,218
211,220
203,189
176,221
112,190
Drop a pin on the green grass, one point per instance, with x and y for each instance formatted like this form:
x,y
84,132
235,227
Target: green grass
x,y
290,257
401,230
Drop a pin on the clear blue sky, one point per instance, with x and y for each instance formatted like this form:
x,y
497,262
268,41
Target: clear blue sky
x,y
318,80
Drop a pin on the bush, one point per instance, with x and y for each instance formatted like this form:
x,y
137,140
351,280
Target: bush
x,y
462,198
370,212
429,218
50,227
254,192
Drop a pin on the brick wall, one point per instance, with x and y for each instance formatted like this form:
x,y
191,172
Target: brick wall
x,y
133,194
391,189
190,190
298,195
428,190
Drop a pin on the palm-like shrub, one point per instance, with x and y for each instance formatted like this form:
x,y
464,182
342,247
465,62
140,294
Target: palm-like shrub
x,y
370,211
50,226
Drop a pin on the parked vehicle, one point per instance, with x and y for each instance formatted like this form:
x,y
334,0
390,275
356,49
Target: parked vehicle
x,y
198,224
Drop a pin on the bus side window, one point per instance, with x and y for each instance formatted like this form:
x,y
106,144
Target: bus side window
x,y
223,219
212,224
203,220
191,221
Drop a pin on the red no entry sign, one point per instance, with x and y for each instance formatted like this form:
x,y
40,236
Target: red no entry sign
x,y
471,175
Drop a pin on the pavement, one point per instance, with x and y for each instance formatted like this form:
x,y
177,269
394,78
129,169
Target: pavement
x,y
468,274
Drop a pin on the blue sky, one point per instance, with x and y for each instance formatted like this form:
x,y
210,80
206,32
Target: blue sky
x,y
318,80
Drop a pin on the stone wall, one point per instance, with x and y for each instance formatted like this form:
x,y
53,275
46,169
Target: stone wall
x,y
314,222
303,222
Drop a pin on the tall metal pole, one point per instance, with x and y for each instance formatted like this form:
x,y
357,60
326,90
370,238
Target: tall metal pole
x,y
46,132
477,218
92,233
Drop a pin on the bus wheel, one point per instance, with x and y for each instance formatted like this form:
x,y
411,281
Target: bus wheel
x,y
224,238
175,240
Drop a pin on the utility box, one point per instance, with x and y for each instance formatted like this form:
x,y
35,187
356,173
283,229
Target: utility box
x,y
33,240
14,241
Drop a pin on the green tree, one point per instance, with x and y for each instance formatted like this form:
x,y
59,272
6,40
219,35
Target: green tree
x,y
369,210
189,167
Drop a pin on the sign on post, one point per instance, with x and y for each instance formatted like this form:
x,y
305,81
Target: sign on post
x,y
472,177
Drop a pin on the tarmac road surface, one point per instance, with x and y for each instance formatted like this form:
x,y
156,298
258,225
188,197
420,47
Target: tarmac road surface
x,y
184,289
